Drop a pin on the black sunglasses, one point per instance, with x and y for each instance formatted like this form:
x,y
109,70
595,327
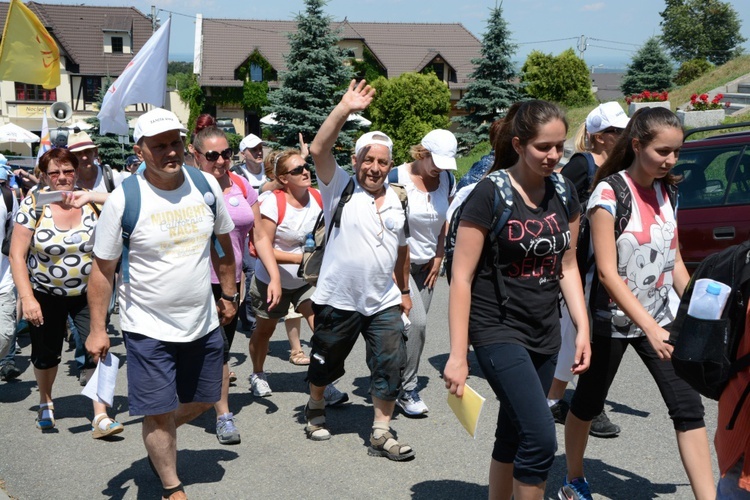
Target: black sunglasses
x,y
612,130
214,155
298,170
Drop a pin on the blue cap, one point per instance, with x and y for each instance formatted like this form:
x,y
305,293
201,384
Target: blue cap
x,y
713,289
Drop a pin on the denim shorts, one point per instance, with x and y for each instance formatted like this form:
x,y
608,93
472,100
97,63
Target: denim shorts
x,y
161,374
336,332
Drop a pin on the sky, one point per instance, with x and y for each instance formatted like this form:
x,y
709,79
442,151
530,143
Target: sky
x,y
614,29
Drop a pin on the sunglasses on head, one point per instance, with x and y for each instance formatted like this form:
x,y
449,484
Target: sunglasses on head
x,y
214,155
298,170
612,130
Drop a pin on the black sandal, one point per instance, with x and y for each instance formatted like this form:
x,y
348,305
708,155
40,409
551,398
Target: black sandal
x,y
166,494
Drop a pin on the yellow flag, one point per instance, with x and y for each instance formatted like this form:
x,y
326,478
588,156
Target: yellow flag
x,y
28,53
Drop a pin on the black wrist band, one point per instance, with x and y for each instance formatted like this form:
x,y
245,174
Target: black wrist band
x,y
405,292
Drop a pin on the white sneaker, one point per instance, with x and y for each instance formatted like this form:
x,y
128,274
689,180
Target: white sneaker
x,y
333,396
412,404
259,385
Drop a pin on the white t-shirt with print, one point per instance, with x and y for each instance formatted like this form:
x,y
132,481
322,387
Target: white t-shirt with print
x,y
646,251
358,265
290,237
169,295
427,212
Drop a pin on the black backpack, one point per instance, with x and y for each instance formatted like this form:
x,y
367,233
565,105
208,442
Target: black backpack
x,y
705,351
502,208
8,198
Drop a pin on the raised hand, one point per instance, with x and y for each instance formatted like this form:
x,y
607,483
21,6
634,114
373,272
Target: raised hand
x,y
358,96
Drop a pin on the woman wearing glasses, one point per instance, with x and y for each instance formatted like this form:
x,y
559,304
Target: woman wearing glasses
x,y
594,141
288,215
50,260
214,156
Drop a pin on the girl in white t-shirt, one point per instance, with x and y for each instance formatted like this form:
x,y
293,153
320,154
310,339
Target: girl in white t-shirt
x,y
639,264
430,186
288,215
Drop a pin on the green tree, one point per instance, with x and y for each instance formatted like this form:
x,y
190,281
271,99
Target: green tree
x,y
690,70
407,107
314,82
650,69
492,90
563,79
701,29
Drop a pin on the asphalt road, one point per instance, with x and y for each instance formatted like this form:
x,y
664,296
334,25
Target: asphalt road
x,y
275,460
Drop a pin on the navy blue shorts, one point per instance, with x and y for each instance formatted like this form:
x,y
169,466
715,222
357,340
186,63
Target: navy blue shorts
x,y
163,374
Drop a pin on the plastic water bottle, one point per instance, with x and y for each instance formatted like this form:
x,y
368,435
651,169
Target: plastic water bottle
x,y
309,243
709,304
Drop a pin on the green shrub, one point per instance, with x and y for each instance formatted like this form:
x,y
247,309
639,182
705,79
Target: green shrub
x,y
690,70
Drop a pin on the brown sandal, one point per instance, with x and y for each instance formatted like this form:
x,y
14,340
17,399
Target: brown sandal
x,y
387,446
299,358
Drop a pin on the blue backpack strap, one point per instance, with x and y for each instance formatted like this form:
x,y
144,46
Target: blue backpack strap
x,y
130,216
393,176
562,189
200,182
591,164
503,204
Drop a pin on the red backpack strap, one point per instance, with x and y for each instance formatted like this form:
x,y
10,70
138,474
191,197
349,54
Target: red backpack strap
x,y
280,204
316,194
239,181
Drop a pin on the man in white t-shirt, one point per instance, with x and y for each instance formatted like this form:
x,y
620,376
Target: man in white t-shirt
x,y
168,315
251,149
356,291
91,175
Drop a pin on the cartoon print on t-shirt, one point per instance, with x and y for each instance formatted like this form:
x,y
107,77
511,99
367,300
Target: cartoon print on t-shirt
x,y
642,266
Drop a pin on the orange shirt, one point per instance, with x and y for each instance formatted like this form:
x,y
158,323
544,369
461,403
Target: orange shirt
x,y
732,445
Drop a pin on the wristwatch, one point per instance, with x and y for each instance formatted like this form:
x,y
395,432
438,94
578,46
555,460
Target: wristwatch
x,y
231,298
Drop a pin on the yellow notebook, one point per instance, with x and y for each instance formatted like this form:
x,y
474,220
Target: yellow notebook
x,y
467,408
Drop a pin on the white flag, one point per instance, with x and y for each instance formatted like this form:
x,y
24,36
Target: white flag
x,y
44,144
144,79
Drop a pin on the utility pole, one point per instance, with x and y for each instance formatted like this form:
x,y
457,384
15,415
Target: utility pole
x,y
153,18
582,46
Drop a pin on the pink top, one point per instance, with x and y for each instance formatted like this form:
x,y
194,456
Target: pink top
x,y
240,211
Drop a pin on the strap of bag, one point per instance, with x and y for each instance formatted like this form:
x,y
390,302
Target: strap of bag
x,y
346,195
400,191
109,178
238,180
200,182
130,216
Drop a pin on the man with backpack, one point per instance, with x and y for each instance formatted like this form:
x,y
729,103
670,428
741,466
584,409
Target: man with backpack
x,y
162,223
356,291
8,208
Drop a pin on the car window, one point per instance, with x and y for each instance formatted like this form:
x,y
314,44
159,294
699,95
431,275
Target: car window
x,y
739,183
704,175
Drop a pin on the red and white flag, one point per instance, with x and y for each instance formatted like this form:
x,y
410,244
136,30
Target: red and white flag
x,y
144,79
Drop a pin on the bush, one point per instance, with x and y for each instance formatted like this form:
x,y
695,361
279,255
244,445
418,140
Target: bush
x,y
690,70
563,79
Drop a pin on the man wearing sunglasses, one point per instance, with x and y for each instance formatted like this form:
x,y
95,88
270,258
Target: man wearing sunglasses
x,y
251,149
356,291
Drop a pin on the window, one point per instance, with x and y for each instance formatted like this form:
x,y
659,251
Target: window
x,y
256,73
29,92
439,69
117,45
706,175
91,86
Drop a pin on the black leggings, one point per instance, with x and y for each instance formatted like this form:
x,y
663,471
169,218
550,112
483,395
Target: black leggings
x,y
227,331
684,403
525,434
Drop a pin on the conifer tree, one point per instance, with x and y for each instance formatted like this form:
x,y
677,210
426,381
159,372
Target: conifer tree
x,y
314,82
493,91
650,69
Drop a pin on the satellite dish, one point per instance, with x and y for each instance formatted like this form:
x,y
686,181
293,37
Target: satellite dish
x,y
61,111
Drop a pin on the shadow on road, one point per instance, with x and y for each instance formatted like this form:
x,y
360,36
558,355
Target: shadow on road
x,y
429,490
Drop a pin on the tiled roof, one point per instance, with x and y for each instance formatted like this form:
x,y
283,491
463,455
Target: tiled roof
x,y
400,47
78,30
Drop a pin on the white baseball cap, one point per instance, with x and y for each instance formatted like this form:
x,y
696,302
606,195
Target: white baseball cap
x,y
442,145
371,138
249,142
155,122
609,114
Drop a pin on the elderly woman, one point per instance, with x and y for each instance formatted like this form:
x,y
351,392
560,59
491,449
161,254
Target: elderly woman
x,y
50,258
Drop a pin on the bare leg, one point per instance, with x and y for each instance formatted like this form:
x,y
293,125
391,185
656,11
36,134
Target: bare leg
x,y
222,405
576,439
696,458
383,409
501,481
189,411
523,491
160,437
293,327
316,392
44,380
557,389
259,342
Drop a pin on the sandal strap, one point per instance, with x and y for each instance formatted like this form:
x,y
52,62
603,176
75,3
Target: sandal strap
x,y
167,493
98,419
388,442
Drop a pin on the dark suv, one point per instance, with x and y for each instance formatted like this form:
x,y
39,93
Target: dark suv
x,y
714,193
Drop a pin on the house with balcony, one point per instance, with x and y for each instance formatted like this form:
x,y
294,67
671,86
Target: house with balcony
x,y
95,43
234,50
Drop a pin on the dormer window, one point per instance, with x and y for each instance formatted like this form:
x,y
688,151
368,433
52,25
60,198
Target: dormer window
x,y
256,73
117,45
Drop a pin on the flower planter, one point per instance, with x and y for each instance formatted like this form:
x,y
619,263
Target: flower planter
x,y
694,119
635,106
